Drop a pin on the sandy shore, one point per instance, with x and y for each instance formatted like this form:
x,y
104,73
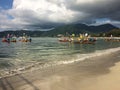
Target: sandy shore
x,y
99,73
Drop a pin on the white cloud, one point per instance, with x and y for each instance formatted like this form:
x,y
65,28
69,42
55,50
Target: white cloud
x,y
6,21
41,12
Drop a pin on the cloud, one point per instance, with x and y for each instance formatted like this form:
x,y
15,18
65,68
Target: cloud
x,y
97,8
38,13
6,21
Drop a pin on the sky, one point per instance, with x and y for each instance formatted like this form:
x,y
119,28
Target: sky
x,y
39,14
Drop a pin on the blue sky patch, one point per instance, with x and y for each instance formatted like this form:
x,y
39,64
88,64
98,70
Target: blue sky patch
x,y
6,4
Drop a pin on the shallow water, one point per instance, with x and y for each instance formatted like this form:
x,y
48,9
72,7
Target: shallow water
x,y
45,52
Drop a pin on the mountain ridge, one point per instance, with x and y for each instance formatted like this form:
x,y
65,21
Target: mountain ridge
x,y
70,28
82,28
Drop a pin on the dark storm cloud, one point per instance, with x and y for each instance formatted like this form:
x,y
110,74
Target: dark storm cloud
x,y
29,13
98,9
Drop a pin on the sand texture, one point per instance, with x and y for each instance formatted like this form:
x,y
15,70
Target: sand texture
x,y
97,73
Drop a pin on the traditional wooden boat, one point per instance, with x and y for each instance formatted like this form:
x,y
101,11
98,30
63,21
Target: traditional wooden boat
x,y
84,42
89,41
112,39
4,40
25,40
13,41
8,40
64,39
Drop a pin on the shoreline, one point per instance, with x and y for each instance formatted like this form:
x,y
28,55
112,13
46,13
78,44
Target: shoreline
x,y
39,65
89,74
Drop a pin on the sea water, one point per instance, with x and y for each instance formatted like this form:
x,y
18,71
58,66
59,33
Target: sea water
x,y
44,52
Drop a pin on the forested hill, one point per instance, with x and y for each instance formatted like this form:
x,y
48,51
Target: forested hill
x,y
71,28
82,28
20,33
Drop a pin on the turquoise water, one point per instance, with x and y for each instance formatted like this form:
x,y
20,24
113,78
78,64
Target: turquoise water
x,y
44,52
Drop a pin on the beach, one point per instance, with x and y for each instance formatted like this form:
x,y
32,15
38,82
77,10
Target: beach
x,y
95,73
59,45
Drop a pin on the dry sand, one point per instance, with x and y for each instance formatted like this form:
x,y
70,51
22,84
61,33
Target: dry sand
x,y
99,73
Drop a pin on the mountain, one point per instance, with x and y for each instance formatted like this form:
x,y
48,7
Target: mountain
x,y
114,32
81,28
102,28
20,33
64,29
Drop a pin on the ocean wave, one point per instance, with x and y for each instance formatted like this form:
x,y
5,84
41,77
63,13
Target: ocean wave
x,y
82,57
38,65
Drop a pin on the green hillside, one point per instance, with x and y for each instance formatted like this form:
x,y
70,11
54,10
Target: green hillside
x,y
81,28
69,29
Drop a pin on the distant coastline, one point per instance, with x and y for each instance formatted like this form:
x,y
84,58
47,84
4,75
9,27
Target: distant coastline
x,y
98,31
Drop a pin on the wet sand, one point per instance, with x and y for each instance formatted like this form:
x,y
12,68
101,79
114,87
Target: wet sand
x,y
97,73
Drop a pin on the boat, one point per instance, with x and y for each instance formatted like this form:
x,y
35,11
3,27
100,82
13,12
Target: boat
x,y
64,39
87,41
13,38
9,38
13,41
112,39
81,39
25,39
84,42
4,40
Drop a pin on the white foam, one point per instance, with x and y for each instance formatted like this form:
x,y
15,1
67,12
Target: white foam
x,y
38,65
82,57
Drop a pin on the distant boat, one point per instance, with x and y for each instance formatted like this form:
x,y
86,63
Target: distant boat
x,y
9,38
77,40
4,40
25,39
84,42
112,40
64,39
13,38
